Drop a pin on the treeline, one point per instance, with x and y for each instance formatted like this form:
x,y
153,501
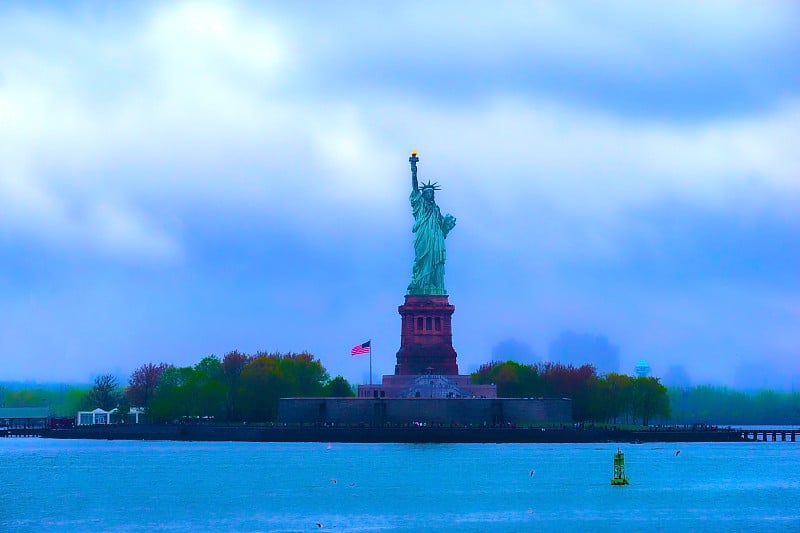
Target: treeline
x,y
237,388
721,405
61,399
613,398
241,387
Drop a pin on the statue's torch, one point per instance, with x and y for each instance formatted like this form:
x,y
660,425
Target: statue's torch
x,y
413,160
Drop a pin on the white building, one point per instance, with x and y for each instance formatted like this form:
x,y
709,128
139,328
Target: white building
x,y
136,415
90,418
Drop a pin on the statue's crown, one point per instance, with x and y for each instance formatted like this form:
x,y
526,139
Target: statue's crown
x,y
434,186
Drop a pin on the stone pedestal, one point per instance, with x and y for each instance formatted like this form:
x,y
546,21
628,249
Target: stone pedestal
x,y
426,337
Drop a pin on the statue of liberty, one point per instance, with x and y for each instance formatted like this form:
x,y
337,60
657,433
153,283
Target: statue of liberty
x,y
430,230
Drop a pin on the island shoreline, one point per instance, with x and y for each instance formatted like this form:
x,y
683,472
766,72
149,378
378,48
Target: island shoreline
x,y
412,434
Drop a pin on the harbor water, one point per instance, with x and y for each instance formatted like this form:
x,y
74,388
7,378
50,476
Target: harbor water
x,y
83,485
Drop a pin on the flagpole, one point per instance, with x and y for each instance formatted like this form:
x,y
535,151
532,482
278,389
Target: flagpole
x,y
370,361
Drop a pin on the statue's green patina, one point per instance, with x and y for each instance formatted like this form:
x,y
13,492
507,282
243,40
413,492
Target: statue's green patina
x,y
430,231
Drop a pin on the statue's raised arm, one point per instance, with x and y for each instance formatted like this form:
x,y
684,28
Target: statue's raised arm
x,y
413,160
430,230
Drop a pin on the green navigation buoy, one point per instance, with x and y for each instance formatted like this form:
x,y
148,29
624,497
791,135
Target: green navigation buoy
x,y
619,469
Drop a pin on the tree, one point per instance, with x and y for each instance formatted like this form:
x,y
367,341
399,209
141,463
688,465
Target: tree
x,y
142,384
593,398
123,408
105,393
721,405
270,377
206,386
232,365
305,376
620,395
580,384
261,386
171,399
649,399
190,392
63,400
513,380
339,387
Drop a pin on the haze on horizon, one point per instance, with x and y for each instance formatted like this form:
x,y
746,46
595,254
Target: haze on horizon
x,y
184,179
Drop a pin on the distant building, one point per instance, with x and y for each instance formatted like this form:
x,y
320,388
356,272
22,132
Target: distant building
x,y
96,417
642,369
427,386
136,415
428,411
24,417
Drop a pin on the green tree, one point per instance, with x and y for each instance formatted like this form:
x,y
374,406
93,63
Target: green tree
x,y
208,389
269,377
27,398
261,386
71,403
649,399
513,380
721,405
339,387
172,399
619,400
594,398
62,399
190,392
122,410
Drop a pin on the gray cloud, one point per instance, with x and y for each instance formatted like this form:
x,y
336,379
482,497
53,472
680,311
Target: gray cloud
x,y
180,142
514,350
578,349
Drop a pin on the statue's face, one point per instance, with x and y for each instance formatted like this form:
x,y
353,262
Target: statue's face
x,y
428,194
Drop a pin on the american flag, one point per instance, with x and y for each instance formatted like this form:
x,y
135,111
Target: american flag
x,y
361,348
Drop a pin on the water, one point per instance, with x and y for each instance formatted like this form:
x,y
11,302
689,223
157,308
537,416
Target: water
x,y
80,485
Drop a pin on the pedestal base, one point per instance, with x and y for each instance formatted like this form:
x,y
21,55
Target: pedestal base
x,y
426,338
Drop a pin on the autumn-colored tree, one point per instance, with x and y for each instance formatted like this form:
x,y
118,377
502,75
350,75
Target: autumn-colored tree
x,y
580,384
142,384
232,365
594,398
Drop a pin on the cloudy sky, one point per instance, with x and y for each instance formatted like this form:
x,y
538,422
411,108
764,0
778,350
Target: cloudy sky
x,y
184,179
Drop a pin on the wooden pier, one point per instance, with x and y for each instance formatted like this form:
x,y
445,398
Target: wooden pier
x,y
21,432
773,435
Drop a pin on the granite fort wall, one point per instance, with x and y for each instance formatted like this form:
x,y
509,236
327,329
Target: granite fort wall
x,y
378,412
415,434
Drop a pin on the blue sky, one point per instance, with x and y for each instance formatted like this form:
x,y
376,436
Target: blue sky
x,y
184,179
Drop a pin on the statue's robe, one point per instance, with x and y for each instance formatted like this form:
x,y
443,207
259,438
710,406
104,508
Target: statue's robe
x,y
430,230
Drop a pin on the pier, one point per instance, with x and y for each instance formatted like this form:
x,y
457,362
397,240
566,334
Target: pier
x,y
773,435
21,432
